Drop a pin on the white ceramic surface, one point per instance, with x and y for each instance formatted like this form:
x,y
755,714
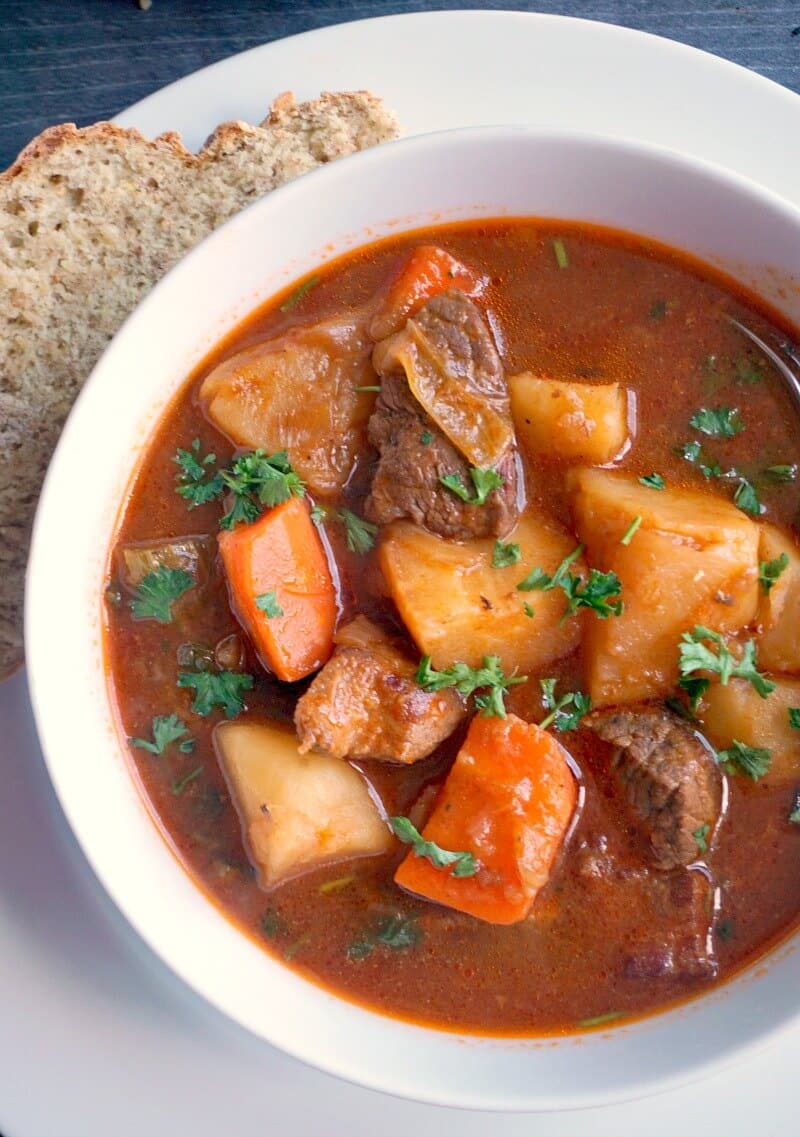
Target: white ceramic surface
x,y
472,173
122,1047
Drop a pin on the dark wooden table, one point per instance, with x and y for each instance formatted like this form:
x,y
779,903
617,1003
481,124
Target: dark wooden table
x,y
83,60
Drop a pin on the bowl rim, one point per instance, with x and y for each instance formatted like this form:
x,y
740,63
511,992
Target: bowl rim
x,y
357,165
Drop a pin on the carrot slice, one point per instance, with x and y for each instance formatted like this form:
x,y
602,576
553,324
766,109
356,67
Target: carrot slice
x,y
428,271
508,800
279,560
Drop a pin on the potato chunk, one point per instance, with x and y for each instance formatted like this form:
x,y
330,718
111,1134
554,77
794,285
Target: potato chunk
x,y
737,711
458,607
297,810
779,609
299,393
693,560
569,421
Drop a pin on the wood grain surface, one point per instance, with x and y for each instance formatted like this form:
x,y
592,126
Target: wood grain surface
x,y
83,60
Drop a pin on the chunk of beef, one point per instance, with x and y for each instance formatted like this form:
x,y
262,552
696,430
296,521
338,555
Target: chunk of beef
x,y
365,703
442,370
670,778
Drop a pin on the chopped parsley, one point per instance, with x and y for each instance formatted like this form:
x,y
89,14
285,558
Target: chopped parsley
x,y
653,481
484,481
302,289
224,689
560,252
693,452
166,730
600,1020
179,786
747,498
463,864
770,571
658,311
467,680
781,473
628,535
426,438
566,711
695,655
336,885
267,603
718,422
395,932
196,483
373,388
505,555
158,591
528,610
753,761
794,813
259,480
318,514
600,592
794,718
360,535
701,837
271,923
726,929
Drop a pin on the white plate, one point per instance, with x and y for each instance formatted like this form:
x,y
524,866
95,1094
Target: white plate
x,y
96,1037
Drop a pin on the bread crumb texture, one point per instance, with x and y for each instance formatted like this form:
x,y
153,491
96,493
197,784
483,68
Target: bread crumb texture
x,y
90,220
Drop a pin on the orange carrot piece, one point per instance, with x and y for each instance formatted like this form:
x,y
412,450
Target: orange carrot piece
x,y
428,271
281,553
507,800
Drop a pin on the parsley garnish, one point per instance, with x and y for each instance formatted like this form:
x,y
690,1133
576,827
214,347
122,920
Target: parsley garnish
x,y
318,514
222,689
528,610
166,729
370,388
336,885
653,481
693,452
718,422
794,718
781,473
747,498
196,483
658,310
394,932
179,786
600,1020
753,761
627,536
464,864
360,535
467,680
484,482
600,592
271,923
158,591
769,571
257,480
426,438
695,656
560,251
299,292
560,716
701,837
725,929
267,602
794,815
505,555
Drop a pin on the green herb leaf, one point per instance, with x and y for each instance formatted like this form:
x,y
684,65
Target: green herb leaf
x,y
505,555
224,689
158,591
426,438
396,932
467,680
538,580
600,1020
299,292
794,718
794,814
318,514
693,452
196,483
695,655
746,371
335,885
166,729
781,473
770,571
271,923
747,498
484,482
718,422
372,388
267,602
257,480
528,610
360,535
725,929
753,761
560,251
565,712
179,786
463,864
658,310
627,536
653,481
701,837
600,591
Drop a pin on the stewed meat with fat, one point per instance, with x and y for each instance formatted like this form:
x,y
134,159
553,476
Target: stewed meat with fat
x,y
670,778
442,359
365,703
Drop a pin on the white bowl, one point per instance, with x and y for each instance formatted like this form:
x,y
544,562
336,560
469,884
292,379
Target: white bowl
x,y
487,172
